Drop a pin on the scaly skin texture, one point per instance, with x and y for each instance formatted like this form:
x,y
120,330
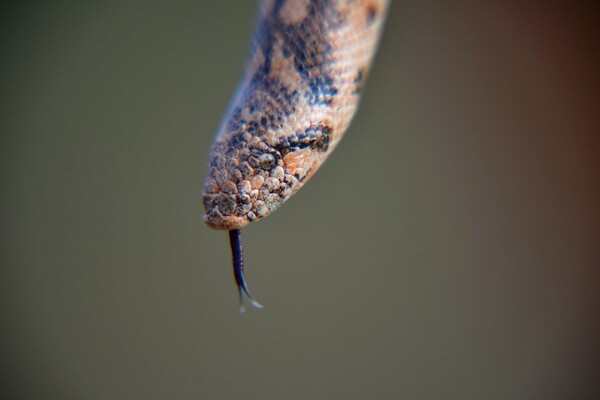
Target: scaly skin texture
x,y
302,86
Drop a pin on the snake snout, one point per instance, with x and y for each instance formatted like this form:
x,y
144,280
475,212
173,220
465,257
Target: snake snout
x,y
245,185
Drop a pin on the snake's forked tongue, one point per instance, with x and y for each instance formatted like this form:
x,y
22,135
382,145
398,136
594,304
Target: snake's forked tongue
x,y
235,239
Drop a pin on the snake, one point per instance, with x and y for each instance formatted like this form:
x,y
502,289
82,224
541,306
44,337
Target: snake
x,y
308,63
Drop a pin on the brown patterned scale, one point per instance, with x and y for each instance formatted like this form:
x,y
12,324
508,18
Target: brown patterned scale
x,y
300,91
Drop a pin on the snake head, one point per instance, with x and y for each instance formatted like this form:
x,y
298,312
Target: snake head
x,y
250,176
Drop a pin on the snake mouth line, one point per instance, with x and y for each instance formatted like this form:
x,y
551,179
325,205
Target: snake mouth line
x,y
235,240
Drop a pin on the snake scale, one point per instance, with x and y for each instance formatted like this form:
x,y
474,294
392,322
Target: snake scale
x,y
308,64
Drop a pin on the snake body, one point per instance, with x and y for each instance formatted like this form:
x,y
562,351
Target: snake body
x,y
301,88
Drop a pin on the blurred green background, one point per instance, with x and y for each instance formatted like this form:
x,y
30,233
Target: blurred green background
x,y
449,248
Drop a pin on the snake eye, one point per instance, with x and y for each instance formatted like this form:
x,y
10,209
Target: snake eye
x,y
266,161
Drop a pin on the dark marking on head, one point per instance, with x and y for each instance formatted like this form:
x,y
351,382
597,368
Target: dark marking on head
x,y
316,138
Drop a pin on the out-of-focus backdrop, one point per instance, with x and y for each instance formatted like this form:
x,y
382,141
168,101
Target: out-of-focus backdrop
x,y
449,248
